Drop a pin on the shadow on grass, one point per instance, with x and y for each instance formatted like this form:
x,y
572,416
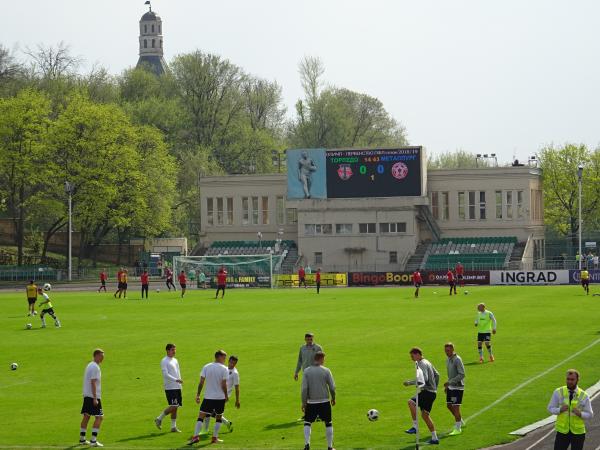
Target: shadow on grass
x,y
144,436
282,426
473,363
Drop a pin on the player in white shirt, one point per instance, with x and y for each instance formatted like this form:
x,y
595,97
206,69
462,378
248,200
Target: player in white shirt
x,y
214,375
233,382
92,405
172,382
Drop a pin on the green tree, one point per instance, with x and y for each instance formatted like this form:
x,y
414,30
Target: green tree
x,y
561,192
459,159
23,169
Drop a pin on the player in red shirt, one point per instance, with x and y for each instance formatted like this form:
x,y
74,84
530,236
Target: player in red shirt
x,y
451,282
417,281
318,279
169,276
103,278
182,282
221,282
145,279
119,284
460,271
301,277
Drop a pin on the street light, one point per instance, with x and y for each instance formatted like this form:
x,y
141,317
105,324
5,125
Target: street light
x,y
69,191
580,182
259,235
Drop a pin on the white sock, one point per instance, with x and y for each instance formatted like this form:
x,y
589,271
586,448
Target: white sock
x,y
161,416
458,425
173,423
433,435
415,423
198,427
94,434
216,429
225,421
307,434
206,423
329,434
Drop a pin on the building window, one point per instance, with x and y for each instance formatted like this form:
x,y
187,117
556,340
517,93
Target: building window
x,y
145,28
245,214
229,211
482,205
145,43
445,206
265,211
254,210
280,210
520,205
161,43
220,212
153,28
472,205
461,205
367,228
498,204
509,205
536,205
434,200
291,216
209,212
153,43
159,29
393,227
393,257
318,257
343,228
315,229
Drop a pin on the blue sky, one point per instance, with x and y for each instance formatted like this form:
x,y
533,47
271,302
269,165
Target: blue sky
x,y
485,76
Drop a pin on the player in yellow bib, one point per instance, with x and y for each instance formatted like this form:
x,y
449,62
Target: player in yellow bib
x,y
47,308
585,280
32,293
486,326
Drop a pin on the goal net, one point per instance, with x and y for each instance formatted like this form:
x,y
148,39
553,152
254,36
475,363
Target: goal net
x,y
242,270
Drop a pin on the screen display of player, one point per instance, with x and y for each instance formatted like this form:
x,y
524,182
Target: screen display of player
x,y
374,173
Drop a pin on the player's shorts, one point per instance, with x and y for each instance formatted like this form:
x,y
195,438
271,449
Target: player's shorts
x,y
209,406
303,280
31,300
585,282
221,286
124,286
48,311
484,337
103,282
320,410
418,285
174,397
183,285
451,283
459,277
426,399
89,408
120,285
454,396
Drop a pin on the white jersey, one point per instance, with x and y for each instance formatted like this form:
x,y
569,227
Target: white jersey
x,y
92,372
170,372
233,380
214,373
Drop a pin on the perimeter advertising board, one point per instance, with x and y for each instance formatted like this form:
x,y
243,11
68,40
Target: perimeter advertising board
x,y
327,279
379,278
520,277
479,277
574,277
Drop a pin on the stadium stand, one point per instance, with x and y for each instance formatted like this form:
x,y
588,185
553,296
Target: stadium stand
x,y
286,250
475,253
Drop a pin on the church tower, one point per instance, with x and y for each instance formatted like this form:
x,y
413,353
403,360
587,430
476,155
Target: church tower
x,y
151,43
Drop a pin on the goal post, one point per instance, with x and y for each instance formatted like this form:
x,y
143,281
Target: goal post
x,y
242,270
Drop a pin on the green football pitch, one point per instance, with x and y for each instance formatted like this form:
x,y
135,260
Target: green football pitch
x,y
366,334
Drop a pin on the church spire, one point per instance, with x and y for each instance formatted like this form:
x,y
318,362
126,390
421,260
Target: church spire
x,y
151,42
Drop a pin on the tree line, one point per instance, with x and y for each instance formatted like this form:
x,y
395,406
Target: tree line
x,y
134,145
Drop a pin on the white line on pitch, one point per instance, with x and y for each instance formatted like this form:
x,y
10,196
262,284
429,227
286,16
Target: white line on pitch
x,y
543,438
531,380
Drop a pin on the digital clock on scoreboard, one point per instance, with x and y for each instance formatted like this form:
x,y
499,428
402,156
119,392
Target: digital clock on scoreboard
x,y
373,173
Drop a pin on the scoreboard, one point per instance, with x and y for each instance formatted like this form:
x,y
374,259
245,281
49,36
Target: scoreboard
x,y
373,173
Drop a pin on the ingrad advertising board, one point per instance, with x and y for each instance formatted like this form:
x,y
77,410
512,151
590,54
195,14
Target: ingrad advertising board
x,y
519,277
354,173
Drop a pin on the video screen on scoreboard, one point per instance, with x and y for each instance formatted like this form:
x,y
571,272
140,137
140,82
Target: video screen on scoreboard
x,y
373,173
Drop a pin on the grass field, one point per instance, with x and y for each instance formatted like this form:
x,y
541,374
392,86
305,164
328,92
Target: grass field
x,y
366,334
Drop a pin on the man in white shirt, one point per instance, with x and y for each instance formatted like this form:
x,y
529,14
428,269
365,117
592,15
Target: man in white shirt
x,y
92,405
233,382
172,382
214,375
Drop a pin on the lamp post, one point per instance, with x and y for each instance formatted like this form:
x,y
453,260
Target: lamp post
x,y
259,235
580,182
69,191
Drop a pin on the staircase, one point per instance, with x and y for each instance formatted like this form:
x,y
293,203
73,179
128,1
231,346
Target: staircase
x,y
288,265
516,256
415,261
426,215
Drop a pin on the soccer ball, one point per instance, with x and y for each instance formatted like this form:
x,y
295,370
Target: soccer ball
x,y
47,286
157,290
28,326
14,366
466,292
373,415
